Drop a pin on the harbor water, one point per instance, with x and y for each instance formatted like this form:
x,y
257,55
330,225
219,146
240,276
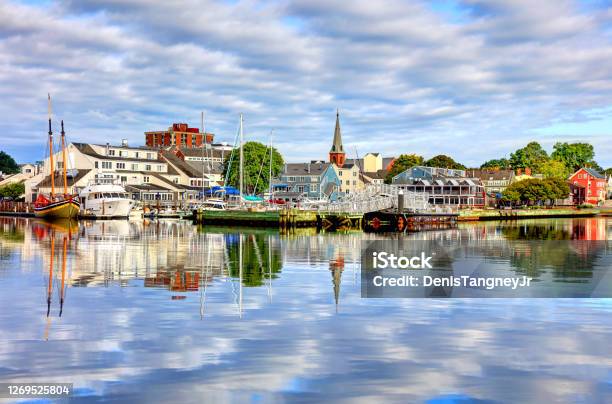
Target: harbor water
x,y
166,311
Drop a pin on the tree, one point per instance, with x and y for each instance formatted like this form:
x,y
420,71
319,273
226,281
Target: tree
x,y
496,164
608,171
554,169
256,158
402,163
536,191
13,190
574,155
531,156
444,161
8,164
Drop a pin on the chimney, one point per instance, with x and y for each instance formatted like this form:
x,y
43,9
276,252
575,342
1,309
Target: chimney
x,y
308,168
124,142
107,148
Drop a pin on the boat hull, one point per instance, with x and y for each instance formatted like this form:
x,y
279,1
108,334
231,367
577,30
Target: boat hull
x,y
64,209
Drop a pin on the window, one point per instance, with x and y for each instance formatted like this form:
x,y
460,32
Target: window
x,y
313,188
96,164
120,166
121,153
160,168
111,152
123,179
137,154
148,167
107,164
150,156
354,173
340,173
145,179
348,182
134,167
175,180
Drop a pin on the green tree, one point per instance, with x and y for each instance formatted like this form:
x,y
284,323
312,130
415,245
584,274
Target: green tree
x,y
536,191
13,191
444,161
402,163
256,158
500,164
554,169
531,156
608,171
8,164
574,155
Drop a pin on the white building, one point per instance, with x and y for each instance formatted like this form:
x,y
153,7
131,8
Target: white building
x,y
144,173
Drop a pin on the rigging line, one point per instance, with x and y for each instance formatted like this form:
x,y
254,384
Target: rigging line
x,y
260,170
229,167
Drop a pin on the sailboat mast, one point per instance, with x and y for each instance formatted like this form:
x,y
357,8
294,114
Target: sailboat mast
x,y
270,173
203,146
241,173
52,168
64,159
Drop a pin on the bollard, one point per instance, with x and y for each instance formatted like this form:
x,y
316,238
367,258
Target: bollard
x,y
400,201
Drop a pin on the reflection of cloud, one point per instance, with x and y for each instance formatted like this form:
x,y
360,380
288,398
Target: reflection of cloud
x,y
134,342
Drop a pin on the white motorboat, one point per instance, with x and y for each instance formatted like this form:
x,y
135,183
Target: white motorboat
x,y
104,198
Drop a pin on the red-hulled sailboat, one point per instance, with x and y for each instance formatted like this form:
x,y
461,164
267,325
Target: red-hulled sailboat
x,y
57,206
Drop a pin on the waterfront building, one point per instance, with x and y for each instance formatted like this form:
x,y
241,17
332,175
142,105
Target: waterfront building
x,y
494,181
593,182
179,135
142,171
194,175
374,167
208,159
337,155
609,187
445,186
314,180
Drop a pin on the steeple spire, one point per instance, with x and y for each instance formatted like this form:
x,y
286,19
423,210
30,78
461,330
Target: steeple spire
x,y
336,153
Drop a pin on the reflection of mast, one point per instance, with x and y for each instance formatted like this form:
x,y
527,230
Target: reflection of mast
x,y
50,286
240,273
270,268
63,275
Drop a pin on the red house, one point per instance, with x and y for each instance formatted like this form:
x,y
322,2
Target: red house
x,y
594,185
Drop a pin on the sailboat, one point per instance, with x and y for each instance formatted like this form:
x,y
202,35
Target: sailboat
x,y
57,206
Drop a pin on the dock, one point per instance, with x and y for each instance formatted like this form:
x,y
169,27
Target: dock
x,y
284,218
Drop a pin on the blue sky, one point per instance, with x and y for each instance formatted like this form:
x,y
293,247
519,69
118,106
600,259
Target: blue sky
x,y
473,79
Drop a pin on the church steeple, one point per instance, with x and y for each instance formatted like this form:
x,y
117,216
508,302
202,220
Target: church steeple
x,y
336,153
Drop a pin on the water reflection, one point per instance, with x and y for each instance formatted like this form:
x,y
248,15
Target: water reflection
x,y
166,310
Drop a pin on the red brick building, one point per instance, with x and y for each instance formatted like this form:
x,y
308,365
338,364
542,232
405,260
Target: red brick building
x,y
179,135
594,185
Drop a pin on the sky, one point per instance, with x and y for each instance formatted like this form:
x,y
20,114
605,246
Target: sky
x,y
473,79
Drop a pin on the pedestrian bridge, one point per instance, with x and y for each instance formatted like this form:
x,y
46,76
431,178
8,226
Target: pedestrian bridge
x,y
376,197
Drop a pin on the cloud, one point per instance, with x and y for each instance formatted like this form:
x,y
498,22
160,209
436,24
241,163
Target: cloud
x,y
407,77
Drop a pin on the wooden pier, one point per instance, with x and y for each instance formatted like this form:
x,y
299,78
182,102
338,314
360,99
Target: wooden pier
x,y
284,218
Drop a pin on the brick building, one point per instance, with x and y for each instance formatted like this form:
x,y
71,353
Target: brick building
x,y
179,135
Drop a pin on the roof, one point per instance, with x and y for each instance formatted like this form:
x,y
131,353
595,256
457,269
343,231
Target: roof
x,y
198,152
378,175
86,148
188,169
491,175
337,144
305,168
147,187
59,182
594,173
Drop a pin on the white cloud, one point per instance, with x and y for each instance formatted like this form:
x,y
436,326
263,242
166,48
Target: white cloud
x,y
406,77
